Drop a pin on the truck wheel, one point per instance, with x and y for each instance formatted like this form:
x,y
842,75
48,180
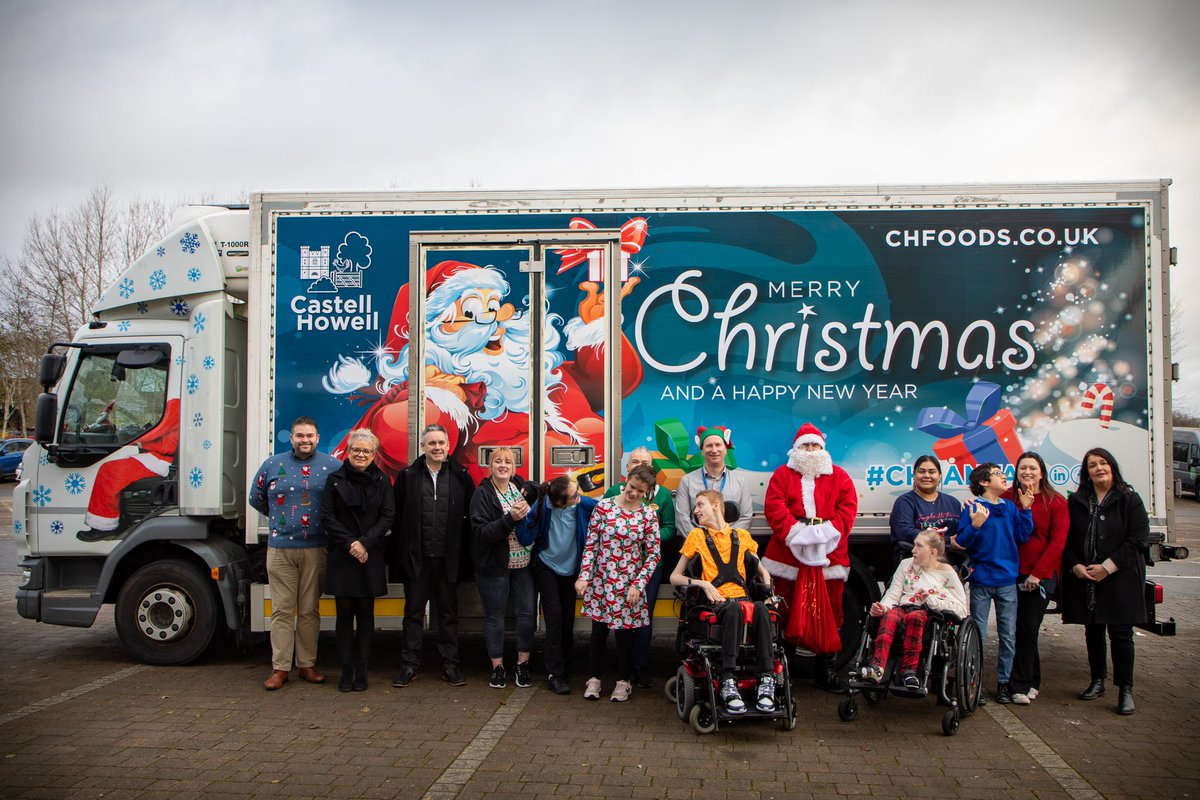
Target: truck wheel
x,y
167,613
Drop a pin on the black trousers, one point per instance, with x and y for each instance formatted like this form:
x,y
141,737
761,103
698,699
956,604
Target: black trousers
x,y
351,611
431,584
558,611
1027,663
1121,637
599,641
732,625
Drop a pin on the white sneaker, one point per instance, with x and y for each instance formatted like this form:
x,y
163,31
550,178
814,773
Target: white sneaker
x,y
1020,699
731,697
766,692
1033,693
620,692
592,690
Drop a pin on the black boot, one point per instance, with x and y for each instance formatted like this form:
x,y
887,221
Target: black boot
x,y
1125,705
346,682
360,678
1095,689
826,676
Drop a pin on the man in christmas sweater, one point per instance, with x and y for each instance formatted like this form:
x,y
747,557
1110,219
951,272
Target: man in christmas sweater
x,y
811,507
287,490
476,376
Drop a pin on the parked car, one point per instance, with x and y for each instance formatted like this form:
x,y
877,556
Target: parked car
x,y
1185,458
11,452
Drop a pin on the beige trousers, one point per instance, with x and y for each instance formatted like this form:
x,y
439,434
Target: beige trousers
x,y
296,576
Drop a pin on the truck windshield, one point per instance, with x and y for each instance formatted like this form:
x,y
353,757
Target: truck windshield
x,y
110,404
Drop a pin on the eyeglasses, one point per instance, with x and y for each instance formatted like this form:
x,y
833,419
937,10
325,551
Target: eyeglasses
x,y
358,451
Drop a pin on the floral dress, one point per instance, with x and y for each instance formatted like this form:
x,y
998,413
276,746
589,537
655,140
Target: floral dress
x,y
621,551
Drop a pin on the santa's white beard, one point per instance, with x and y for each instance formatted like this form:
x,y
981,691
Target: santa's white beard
x,y
810,462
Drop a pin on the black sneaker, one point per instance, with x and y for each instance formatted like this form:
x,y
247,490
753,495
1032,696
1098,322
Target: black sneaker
x,y
522,675
498,680
642,679
406,676
1004,694
558,685
452,676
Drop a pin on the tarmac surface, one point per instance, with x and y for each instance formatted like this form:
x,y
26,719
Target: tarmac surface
x,y
79,719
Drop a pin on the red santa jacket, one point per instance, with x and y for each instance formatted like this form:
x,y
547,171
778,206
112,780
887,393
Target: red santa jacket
x,y
836,502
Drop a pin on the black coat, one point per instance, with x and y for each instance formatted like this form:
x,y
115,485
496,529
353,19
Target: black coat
x,y
491,525
405,557
356,507
1121,533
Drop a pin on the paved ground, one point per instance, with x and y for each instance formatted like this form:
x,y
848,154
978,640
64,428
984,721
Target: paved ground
x,y
78,719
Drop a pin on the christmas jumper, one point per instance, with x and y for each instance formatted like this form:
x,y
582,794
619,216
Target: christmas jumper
x,y
287,490
936,589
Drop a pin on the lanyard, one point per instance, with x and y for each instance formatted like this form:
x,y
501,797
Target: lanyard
x,y
724,476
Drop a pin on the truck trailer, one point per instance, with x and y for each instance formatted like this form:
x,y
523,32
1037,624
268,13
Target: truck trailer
x,y
972,322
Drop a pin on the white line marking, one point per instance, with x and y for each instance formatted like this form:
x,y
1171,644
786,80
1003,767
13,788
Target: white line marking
x,y
1074,783
71,694
455,778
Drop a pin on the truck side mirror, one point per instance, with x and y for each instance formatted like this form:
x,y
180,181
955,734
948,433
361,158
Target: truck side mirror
x,y
45,417
51,369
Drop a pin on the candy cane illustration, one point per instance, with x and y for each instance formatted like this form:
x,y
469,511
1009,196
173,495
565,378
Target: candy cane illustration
x,y
1101,392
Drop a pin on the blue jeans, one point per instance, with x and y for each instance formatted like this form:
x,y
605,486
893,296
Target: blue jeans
x,y
1005,598
494,593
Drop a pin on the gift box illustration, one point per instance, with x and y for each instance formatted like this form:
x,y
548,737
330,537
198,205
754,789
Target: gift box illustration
x,y
673,460
986,433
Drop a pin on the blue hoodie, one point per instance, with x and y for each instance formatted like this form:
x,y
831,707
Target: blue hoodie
x,y
993,546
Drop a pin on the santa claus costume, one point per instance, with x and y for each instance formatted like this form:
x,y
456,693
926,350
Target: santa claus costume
x,y
811,506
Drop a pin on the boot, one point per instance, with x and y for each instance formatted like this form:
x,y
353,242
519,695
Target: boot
x,y
346,682
1095,689
1125,705
826,676
360,677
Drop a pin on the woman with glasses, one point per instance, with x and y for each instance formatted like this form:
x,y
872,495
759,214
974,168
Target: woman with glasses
x,y
356,514
1104,570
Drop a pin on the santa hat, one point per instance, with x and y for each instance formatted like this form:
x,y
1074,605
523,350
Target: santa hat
x,y
808,434
436,277
720,431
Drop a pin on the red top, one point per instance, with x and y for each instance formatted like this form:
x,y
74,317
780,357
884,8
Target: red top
x,y
1041,556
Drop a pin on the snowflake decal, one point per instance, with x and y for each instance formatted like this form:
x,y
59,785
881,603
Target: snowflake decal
x,y
42,496
196,477
126,287
189,242
198,322
56,527
209,362
180,361
158,279
76,483
193,275
179,307
17,526
193,383
44,459
143,307
206,444
123,326
161,251
197,420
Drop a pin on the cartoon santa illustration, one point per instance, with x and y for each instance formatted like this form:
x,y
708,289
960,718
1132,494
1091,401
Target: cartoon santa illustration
x,y
476,375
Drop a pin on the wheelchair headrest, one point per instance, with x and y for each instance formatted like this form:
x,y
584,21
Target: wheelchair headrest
x,y
732,512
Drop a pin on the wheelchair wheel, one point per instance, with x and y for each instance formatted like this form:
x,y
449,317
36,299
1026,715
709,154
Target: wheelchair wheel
x,y
950,722
685,693
669,688
968,667
702,719
848,710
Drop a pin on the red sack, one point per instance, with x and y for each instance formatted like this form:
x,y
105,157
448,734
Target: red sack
x,y
810,621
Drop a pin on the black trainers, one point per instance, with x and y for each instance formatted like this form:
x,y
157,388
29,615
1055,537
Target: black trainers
x,y
498,680
522,675
911,681
1004,694
642,679
407,675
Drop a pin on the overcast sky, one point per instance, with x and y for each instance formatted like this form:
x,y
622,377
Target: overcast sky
x,y
177,99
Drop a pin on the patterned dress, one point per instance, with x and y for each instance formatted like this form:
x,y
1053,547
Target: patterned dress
x,y
621,551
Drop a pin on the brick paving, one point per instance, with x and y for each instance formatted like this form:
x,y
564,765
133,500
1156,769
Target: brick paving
x,y
210,731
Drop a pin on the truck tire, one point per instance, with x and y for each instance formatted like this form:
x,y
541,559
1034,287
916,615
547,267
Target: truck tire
x,y
167,613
